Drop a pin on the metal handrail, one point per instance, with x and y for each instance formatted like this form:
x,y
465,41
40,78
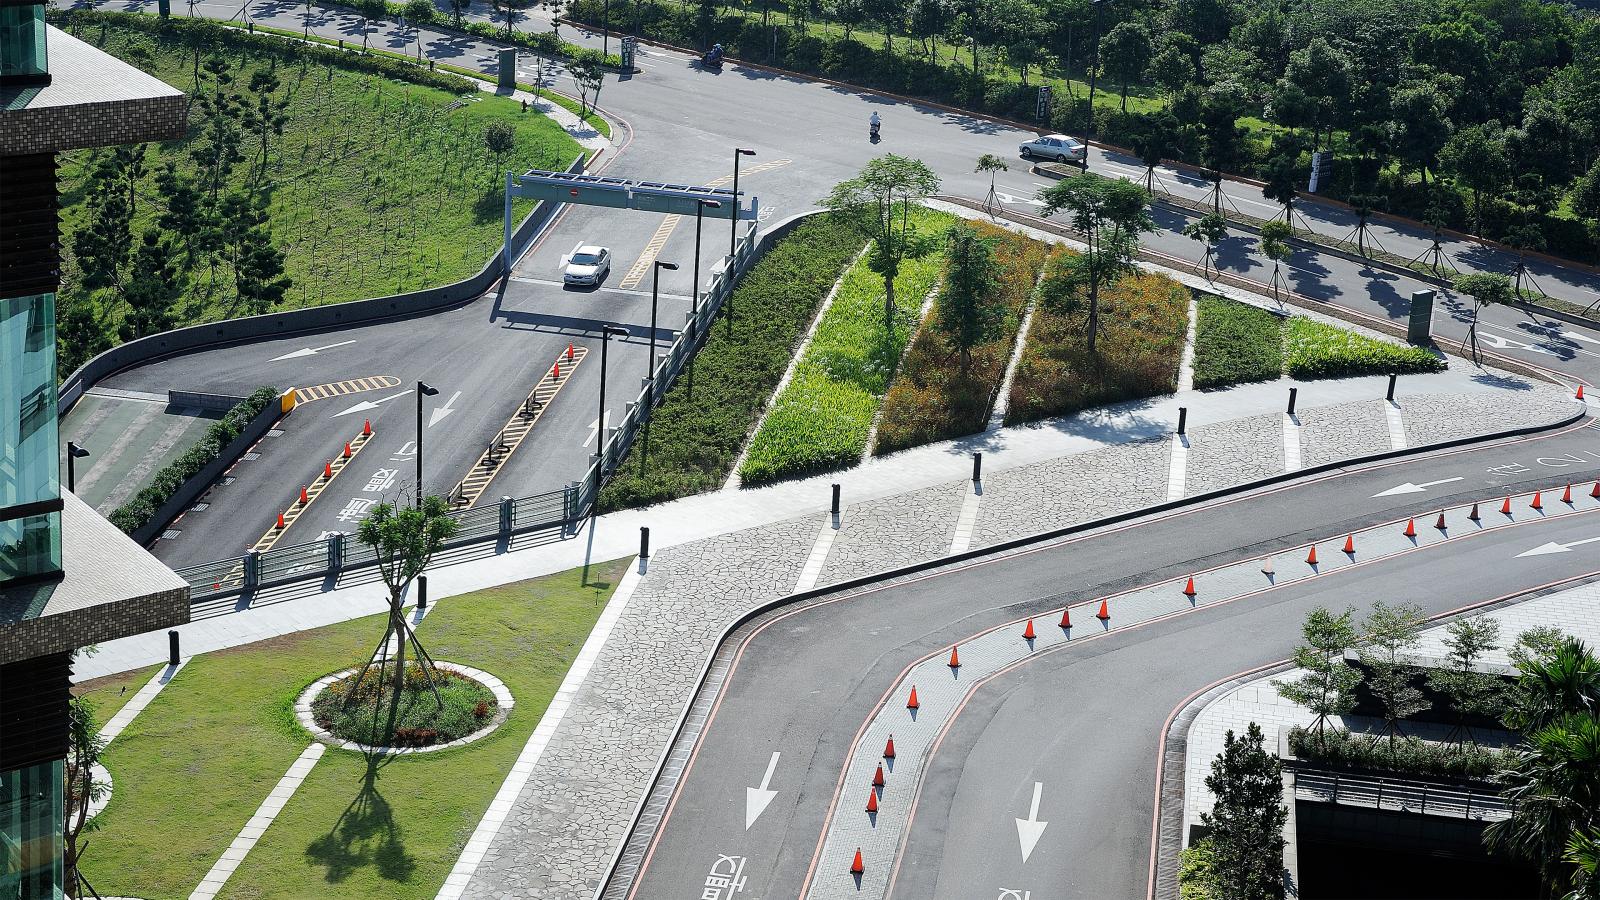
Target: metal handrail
x,y
1401,795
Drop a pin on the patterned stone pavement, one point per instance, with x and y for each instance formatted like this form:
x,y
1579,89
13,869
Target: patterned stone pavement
x,y
572,815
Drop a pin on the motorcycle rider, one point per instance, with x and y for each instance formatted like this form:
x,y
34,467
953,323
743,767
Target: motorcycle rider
x,y
874,122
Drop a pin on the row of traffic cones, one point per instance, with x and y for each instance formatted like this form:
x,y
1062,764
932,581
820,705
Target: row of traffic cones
x,y
878,783
327,473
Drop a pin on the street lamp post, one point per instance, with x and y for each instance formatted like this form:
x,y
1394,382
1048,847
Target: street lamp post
x,y
733,234
700,206
606,333
605,30
74,453
1094,68
423,390
650,364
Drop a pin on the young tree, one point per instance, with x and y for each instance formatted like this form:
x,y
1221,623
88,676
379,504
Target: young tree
x,y
267,116
511,11
1209,230
370,10
500,139
992,164
1111,214
103,245
1585,199
154,285
968,312
404,541
458,8
1247,821
1282,175
877,203
84,746
1469,691
1275,245
1484,290
1125,54
587,68
1156,140
1476,158
1387,634
1328,687
258,277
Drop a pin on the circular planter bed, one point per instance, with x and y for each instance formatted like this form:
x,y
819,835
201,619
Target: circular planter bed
x,y
475,703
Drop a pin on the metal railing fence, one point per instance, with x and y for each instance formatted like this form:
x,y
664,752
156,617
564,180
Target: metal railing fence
x,y
1401,795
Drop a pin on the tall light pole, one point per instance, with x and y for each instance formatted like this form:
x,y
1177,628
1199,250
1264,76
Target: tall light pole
x,y
605,30
74,453
650,365
423,390
733,234
700,206
1094,68
606,333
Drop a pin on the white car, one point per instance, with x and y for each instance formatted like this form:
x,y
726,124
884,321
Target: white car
x,y
1058,147
587,265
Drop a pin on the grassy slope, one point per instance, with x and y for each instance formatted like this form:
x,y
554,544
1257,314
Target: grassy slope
x,y
192,768
379,187
822,418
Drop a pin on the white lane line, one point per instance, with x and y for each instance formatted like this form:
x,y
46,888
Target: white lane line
x,y
1291,444
961,539
1186,363
547,282
140,700
819,555
505,799
1397,425
252,831
1178,468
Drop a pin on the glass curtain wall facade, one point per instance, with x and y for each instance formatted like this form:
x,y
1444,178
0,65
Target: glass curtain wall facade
x,y
31,820
30,534
23,57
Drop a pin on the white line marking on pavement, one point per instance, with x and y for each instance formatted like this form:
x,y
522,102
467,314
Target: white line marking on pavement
x,y
966,520
440,412
1409,488
757,798
1178,468
1556,547
253,829
1186,361
500,807
140,700
595,426
1291,444
308,351
819,555
370,404
602,289
1397,425
1030,829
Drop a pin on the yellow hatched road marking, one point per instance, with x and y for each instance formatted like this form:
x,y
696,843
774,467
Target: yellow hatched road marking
x,y
641,267
353,386
313,491
493,459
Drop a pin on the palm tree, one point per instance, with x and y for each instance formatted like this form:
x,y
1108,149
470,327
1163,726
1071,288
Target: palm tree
x,y
1565,679
1553,785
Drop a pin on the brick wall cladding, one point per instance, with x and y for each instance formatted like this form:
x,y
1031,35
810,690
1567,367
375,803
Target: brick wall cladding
x,y
72,629
78,125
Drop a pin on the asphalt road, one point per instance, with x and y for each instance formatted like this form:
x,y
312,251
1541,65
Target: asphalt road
x,y
684,124
1083,720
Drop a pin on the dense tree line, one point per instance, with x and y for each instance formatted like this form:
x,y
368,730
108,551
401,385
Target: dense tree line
x,y
1478,114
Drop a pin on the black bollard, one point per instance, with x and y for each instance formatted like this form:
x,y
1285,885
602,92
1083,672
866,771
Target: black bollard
x,y
977,467
1183,419
422,592
835,509
1392,378
1293,393
172,648
644,543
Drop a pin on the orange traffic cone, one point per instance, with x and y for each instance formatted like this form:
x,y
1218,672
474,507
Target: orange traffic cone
x,y
327,470
1580,391
346,449
1066,617
569,351
1311,558
1027,633
1566,495
366,427
912,703
1505,507
856,868
1104,614
1595,491
877,778
1440,524
872,801
556,372
280,520
1536,504
1411,528
888,749
955,659
1188,591
1350,544
303,498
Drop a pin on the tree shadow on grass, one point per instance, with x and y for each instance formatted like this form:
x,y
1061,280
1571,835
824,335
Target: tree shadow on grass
x,y
365,835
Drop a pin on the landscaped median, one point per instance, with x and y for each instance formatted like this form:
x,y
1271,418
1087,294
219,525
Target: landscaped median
x,y
823,417
932,399
192,768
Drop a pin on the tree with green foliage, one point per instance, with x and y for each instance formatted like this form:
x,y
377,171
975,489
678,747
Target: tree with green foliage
x,y
1110,213
155,283
1328,687
1470,692
1585,200
587,68
1283,177
877,203
404,540
1172,70
1476,157
258,267
81,790
266,116
1388,632
510,12
1583,853
500,139
104,245
458,8
419,12
1419,109
968,311
1322,73
994,165
1155,141
1209,230
1125,54
370,10
1246,824
1275,246
1560,675
1483,289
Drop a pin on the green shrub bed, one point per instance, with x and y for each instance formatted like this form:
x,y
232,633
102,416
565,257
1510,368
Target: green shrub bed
x,y
931,399
463,707
821,420
696,432
1313,349
1143,320
1409,755
1235,343
134,514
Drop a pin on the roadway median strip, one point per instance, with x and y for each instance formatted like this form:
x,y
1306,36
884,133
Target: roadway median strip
x,y
510,437
339,388
944,680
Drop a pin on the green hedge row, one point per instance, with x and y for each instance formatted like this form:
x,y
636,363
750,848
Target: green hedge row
x,y
1235,343
137,512
1340,747
1312,349
696,432
210,36
544,43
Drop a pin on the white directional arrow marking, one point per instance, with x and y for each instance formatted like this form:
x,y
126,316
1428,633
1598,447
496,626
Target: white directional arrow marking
x,y
308,351
757,798
595,426
369,404
1030,829
440,412
1004,197
1556,547
1409,488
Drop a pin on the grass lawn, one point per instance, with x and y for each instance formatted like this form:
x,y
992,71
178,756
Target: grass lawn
x,y
193,767
107,695
704,419
1143,320
821,420
931,398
